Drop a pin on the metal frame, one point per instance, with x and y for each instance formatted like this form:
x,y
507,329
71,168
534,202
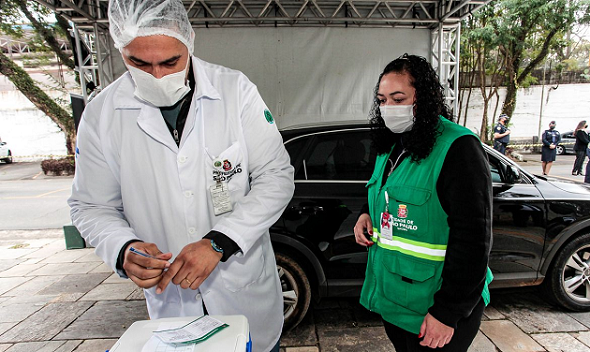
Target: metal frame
x,y
442,17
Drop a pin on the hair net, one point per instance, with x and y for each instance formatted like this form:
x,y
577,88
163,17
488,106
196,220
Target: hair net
x,y
130,19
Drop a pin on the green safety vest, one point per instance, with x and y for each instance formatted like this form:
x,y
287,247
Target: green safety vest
x,y
404,272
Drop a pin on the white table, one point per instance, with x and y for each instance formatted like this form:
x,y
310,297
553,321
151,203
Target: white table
x,y
233,338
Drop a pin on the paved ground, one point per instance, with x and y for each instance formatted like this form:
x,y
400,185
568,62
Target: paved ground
x,y
58,300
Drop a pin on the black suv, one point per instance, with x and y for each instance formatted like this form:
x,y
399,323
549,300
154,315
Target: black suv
x,y
541,226
566,145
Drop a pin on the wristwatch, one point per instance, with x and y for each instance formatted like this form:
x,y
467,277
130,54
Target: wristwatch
x,y
216,247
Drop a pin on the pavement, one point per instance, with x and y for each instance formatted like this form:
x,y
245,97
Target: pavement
x,y
54,299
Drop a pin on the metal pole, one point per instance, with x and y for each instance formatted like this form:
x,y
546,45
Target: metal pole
x,y
99,58
457,70
80,62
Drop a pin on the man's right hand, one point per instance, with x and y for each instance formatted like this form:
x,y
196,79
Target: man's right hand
x,y
145,272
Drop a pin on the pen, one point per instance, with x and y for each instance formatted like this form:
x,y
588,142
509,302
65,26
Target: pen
x,y
143,254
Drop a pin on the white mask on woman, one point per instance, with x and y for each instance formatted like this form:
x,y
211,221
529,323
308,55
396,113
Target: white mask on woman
x,y
398,118
165,91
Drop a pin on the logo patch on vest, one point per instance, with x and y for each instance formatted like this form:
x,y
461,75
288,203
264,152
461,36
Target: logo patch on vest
x,y
402,211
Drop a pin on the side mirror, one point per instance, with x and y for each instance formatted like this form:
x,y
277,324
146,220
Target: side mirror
x,y
512,174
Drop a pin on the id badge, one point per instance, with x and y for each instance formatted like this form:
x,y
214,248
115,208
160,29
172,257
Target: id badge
x,y
221,198
386,225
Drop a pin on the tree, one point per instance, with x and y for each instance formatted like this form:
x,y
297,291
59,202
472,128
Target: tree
x,y
11,13
526,30
482,62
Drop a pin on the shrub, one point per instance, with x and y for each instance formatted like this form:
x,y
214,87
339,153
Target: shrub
x,y
59,167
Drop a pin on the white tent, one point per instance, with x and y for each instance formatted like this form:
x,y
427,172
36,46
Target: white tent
x,y
312,60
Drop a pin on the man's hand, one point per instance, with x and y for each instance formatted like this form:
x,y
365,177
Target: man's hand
x,y
436,334
362,224
192,266
145,272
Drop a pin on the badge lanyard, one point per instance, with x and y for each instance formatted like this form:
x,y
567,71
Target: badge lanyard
x,y
386,221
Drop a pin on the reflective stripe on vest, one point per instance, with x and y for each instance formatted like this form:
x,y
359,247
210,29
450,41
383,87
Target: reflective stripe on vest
x,y
434,252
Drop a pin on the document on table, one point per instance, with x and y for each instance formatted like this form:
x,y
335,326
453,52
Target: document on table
x,y
173,338
154,344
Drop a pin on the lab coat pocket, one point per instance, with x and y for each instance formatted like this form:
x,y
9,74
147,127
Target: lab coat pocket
x,y
410,282
238,272
228,168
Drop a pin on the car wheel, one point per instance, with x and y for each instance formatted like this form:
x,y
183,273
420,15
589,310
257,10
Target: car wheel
x,y
568,282
560,150
8,159
296,290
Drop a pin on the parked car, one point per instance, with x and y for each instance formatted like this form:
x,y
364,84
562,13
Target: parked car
x,y
5,153
541,226
566,145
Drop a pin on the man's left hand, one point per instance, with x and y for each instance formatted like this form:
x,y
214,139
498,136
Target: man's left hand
x,y
435,333
191,267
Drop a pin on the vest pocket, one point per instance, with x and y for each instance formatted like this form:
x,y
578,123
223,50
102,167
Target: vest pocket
x,y
409,282
409,208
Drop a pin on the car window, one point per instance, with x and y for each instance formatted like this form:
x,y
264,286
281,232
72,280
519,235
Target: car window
x,y
498,171
342,156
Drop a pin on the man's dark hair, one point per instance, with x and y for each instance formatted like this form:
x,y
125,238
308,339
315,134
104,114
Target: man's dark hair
x,y
429,102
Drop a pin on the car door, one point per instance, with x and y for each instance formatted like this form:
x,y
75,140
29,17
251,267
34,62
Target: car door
x,y
519,219
331,171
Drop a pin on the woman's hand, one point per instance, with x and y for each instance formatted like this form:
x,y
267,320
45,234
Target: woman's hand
x,y
363,224
435,333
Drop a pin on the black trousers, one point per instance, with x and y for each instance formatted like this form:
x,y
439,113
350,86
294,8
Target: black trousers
x,y
405,341
580,156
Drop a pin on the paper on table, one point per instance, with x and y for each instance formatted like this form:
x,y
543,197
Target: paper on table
x,y
154,344
197,330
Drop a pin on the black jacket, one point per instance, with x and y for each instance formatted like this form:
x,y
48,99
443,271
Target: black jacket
x,y
582,141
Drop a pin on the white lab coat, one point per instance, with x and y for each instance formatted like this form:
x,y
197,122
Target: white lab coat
x,y
133,182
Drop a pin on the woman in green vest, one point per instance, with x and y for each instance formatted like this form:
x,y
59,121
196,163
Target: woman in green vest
x,y
429,215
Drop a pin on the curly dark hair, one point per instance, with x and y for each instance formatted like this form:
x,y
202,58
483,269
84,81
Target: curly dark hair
x,y
429,102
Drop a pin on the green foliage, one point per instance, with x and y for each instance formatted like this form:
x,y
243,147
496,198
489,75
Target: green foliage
x,y
514,37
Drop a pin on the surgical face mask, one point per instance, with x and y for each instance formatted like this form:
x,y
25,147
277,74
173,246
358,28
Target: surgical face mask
x,y
398,118
165,91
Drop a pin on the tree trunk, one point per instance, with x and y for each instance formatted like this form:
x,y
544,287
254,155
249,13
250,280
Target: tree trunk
x,y
25,84
46,34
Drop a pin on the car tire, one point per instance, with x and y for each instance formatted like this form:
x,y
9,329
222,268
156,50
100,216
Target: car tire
x,y
296,290
568,280
560,149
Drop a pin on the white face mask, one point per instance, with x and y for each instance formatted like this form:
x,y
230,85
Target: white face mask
x,y
165,91
398,118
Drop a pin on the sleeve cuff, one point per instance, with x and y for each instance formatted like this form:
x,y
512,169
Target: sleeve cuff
x,y
121,259
228,245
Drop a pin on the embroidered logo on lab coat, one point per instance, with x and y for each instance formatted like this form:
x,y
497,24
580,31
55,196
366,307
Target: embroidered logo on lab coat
x,y
268,116
224,171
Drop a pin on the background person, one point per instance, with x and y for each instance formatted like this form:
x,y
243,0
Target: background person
x,y
580,147
181,159
550,139
501,134
429,215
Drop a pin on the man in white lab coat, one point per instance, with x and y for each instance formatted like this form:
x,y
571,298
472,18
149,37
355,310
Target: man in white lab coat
x,y
181,160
